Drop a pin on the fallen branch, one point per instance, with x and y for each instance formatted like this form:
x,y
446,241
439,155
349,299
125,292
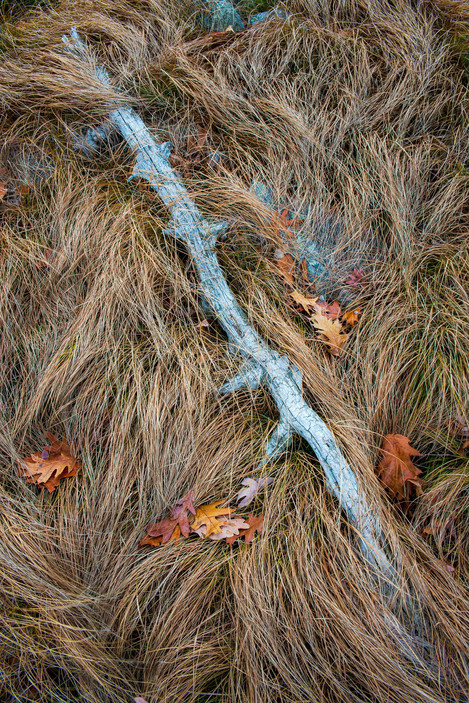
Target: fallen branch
x,y
261,364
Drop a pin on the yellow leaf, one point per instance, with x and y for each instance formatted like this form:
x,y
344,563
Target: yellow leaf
x,y
332,333
207,514
306,303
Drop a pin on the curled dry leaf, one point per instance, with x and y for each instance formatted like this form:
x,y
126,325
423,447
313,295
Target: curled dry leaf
x,y
447,567
396,470
52,463
330,310
284,223
253,487
461,425
332,333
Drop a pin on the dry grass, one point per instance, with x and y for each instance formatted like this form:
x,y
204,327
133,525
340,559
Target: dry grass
x,y
356,110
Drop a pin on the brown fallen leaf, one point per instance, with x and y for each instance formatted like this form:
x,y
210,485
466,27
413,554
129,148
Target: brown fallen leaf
x,y
148,541
461,425
396,470
330,310
332,333
194,152
47,467
351,316
207,514
256,524
171,527
306,303
3,190
286,268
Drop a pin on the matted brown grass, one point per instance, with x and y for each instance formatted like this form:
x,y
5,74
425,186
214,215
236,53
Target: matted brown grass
x,y
355,110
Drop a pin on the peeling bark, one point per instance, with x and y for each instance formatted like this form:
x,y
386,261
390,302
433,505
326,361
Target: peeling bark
x,y
261,365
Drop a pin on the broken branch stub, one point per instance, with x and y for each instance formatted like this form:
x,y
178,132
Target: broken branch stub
x,y
261,364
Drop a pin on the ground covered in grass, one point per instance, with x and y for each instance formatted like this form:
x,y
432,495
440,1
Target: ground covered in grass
x,y
353,116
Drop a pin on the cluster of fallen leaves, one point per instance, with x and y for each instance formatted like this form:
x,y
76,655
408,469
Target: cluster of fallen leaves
x,y
332,324
209,521
328,319
50,465
46,468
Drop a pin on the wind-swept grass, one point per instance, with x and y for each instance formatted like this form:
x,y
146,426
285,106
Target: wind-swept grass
x,y
353,110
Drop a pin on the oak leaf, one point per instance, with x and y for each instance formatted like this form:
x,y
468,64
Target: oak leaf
x,y
171,527
306,303
52,463
286,266
396,470
207,514
284,223
256,524
330,310
351,316
229,528
253,487
332,333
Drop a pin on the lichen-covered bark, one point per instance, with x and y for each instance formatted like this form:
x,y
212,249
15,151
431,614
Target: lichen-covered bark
x,y
261,364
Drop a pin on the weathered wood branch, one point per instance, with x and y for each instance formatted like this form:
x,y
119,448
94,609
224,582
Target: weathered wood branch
x,y
261,364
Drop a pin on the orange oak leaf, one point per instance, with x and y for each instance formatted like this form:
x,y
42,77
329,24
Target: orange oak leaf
x,y
148,541
332,333
351,316
207,514
396,470
256,524
286,267
52,463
